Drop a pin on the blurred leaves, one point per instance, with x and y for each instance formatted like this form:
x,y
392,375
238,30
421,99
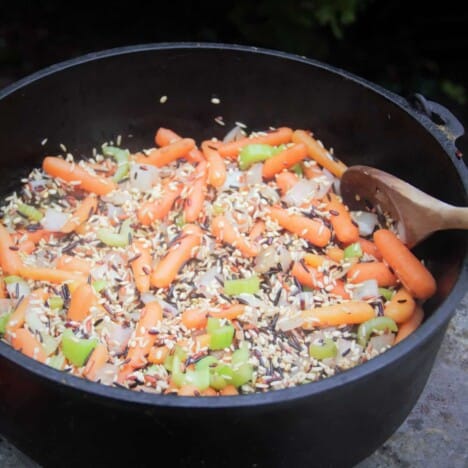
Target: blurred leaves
x,y
455,91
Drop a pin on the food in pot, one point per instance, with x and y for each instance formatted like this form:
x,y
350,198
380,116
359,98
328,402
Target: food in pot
x,y
232,267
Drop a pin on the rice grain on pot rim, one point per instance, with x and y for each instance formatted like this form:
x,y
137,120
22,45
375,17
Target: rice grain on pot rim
x,y
229,268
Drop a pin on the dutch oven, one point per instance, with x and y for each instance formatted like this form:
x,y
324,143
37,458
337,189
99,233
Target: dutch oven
x,y
61,420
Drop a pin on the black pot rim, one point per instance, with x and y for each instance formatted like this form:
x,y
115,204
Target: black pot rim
x,y
424,333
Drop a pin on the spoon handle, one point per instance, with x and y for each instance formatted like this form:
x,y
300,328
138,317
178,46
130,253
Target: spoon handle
x,y
455,218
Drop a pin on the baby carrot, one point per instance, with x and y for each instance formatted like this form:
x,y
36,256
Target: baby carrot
x,y
312,278
57,167
49,274
196,195
313,231
335,253
87,207
315,260
224,231
23,340
257,230
230,312
72,263
360,272
160,208
319,153
81,301
275,137
157,355
209,392
27,246
183,250
285,181
96,360
312,171
369,248
2,288
195,318
346,313
216,166
400,307
37,236
142,340
189,390
284,160
165,137
342,223
406,328
10,260
414,276
229,390
141,266
160,157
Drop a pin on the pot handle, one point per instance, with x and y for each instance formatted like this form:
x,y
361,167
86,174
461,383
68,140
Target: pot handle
x,y
441,116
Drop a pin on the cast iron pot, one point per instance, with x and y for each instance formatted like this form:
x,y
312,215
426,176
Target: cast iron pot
x,y
60,420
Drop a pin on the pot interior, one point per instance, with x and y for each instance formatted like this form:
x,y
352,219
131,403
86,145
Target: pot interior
x,y
85,104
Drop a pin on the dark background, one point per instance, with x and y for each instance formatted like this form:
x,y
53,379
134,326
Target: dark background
x,y
406,46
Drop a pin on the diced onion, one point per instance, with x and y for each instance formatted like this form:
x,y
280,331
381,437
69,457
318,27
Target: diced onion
x,y
5,306
118,337
366,290
270,257
251,300
147,297
234,178
54,220
290,323
254,174
306,189
17,289
117,197
32,319
107,374
305,299
206,281
234,134
366,221
143,176
381,342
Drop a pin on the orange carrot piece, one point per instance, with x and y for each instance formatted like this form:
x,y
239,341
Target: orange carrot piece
x,y
229,390
10,261
400,307
312,278
230,312
2,288
188,390
276,137
159,209
409,326
360,272
36,236
27,247
216,166
23,340
335,253
97,359
49,274
81,301
286,180
319,153
165,137
370,248
284,160
257,231
87,207
158,355
414,276
209,392
17,318
143,341
141,266
346,313
196,195
160,157
342,223
224,231
310,229
72,263
195,318
315,260
168,267
202,341
57,167
312,171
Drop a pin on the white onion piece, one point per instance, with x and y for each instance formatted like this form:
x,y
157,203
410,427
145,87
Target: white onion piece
x,y
32,319
5,306
143,176
265,260
337,186
54,220
343,346
147,297
366,290
306,189
18,289
99,272
401,232
234,134
118,337
284,258
254,174
366,221
49,343
107,374
270,193
252,301
380,342
113,211
117,197
234,178
166,307
206,281
290,323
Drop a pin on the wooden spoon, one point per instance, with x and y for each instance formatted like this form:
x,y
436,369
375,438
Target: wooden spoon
x,y
418,214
